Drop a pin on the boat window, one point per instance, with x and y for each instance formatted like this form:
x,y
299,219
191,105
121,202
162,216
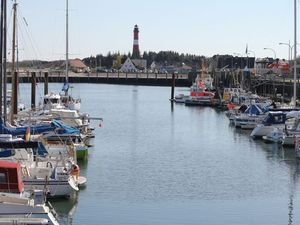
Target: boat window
x,y
54,101
3,178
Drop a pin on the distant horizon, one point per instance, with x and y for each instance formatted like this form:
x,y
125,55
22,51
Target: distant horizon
x,y
203,28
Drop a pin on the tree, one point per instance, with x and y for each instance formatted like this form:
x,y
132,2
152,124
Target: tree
x,y
117,63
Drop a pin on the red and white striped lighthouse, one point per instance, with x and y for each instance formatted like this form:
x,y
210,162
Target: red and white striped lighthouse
x,y
136,49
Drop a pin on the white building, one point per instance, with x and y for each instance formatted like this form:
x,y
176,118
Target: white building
x,y
133,65
128,66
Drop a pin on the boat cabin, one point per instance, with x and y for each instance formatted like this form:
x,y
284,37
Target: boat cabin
x,y
52,100
275,118
10,177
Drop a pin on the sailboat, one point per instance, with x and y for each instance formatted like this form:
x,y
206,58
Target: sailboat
x,y
63,100
18,206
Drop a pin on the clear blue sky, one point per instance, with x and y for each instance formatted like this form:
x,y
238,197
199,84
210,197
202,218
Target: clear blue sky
x,y
202,27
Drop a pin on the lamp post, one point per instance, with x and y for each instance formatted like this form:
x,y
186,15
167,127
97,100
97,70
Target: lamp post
x,y
272,51
290,49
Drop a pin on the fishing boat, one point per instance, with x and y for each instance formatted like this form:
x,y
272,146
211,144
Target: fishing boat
x,y
199,95
18,206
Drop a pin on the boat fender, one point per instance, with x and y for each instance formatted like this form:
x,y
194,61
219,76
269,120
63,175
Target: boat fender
x,y
49,164
75,170
295,140
25,171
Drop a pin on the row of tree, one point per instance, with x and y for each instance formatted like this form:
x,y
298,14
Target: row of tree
x,y
162,58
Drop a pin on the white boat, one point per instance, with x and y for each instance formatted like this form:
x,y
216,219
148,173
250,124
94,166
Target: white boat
x,y
297,145
275,136
56,175
60,101
17,206
274,119
180,98
66,100
253,115
291,129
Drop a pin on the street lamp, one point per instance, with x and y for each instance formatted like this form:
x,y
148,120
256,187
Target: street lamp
x,y
290,49
272,51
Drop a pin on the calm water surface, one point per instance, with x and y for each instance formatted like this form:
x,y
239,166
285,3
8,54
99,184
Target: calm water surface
x,y
153,164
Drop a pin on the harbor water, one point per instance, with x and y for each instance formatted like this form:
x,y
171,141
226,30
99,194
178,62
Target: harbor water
x,y
157,164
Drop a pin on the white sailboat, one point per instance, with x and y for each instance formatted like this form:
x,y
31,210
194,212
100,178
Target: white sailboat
x,y
63,100
17,206
55,174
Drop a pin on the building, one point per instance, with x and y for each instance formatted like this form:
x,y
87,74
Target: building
x,y
77,66
128,66
133,65
140,64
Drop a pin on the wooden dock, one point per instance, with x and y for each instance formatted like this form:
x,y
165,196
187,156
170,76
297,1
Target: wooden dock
x,y
181,80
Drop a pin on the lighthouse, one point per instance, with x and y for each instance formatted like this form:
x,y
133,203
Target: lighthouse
x,y
136,49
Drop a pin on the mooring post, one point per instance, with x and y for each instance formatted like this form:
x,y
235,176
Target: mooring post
x,y
173,86
33,84
46,81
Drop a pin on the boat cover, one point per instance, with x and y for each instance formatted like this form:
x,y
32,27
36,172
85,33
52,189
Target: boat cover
x,y
55,125
11,180
275,118
254,109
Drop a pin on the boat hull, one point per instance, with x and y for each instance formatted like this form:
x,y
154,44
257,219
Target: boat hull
x,y
54,188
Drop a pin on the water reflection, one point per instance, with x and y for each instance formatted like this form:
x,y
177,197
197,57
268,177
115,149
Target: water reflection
x,y
65,209
294,180
285,157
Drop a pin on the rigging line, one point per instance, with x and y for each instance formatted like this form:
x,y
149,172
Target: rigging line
x,y
9,28
26,27
26,33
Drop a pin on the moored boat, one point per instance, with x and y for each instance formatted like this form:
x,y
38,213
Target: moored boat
x,y
41,171
18,206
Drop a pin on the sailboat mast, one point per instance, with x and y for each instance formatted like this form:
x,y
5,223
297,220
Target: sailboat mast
x,y
4,61
295,50
1,60
14,80
67,41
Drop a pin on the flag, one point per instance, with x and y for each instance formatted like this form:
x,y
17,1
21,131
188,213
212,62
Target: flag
x,y
246,49
27,134
65,87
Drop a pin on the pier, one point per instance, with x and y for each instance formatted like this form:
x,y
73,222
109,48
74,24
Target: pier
x,y
149,79
268,85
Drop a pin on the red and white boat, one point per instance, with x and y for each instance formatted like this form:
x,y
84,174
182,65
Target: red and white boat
x,y
199,95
